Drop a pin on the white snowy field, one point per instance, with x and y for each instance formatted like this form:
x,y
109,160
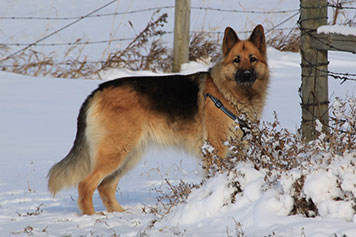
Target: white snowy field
x,y
38,124
37,128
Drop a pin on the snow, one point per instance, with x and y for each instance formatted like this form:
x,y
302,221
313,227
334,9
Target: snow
x,y
38,125
336,29
202,204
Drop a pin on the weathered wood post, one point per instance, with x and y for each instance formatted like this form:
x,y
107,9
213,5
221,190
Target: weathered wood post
x,y
181,34
314,65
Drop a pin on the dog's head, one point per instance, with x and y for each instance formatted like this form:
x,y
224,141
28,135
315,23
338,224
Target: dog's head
x,y
245,61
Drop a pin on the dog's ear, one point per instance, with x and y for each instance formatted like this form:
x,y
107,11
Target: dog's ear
x,y
257,37
230,39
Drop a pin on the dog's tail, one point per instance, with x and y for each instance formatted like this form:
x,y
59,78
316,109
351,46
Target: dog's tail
x,y
77,164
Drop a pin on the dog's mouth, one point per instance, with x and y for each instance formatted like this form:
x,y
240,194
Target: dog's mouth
x,y
246,77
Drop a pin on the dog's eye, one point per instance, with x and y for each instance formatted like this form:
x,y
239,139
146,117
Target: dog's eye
x,y
253,59
237,59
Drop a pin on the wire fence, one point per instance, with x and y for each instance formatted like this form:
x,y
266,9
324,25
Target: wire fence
x,y
290,15
144,10
276,27
313,92
94,14
105,41
311,33
58,30
341,6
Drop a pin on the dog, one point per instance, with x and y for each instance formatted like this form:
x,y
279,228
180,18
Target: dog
x,y
122,117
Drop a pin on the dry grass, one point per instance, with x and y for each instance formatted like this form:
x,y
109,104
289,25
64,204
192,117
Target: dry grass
x,y
271,147
31,62
285,42
176,194
133,56
277,151
34,63
204,46
145,52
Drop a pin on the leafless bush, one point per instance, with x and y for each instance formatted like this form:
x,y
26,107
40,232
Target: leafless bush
x,y
277,151
176,194
285,42
145,52
35,63
132,56
32,62
204,46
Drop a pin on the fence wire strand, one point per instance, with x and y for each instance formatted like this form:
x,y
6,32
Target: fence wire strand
x,y
143,10
58,30
336,75
340,6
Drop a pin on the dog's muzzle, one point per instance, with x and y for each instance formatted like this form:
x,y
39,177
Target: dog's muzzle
x,y
246,77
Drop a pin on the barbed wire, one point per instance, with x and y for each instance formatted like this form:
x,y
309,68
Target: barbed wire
x,y
340,6
245,11
50,63
77,17
282,22
336,75
80,42
107,41
58,30
310,32
343,76
143,10
77,42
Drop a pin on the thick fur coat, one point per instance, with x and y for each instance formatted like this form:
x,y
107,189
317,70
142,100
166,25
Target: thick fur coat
x,y
124,116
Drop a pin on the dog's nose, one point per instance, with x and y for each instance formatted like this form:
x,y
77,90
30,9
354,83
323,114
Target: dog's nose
x,y
247,75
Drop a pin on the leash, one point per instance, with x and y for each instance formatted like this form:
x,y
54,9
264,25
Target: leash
x,y
242,123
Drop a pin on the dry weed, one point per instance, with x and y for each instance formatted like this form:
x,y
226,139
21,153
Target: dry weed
x,y
204,46
277,151
132,56
145,52
176,194
285,42
35,63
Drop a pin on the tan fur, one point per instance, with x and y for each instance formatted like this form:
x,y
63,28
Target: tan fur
x,y
120,124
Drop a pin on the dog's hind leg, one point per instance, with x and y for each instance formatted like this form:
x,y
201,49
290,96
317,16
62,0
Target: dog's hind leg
x,y
107,187
111,157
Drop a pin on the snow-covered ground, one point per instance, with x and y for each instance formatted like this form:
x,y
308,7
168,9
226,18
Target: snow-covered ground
x,y
37,124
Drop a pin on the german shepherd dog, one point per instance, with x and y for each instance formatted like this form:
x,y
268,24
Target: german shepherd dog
x,y
122,117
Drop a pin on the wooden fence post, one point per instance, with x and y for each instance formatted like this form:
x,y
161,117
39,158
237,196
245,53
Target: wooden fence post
x,y
314,65
181,34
